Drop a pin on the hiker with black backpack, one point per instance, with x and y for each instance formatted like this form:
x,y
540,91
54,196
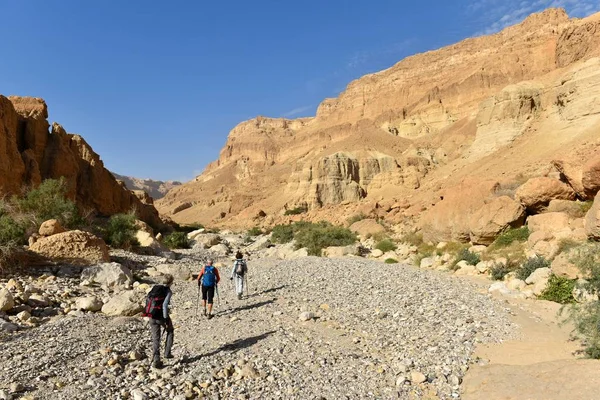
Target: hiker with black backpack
x,y
157,309
238,272
208,279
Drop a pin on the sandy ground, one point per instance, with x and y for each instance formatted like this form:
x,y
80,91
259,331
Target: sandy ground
x,y
543,364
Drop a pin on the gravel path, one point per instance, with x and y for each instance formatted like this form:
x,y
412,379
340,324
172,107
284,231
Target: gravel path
x,y
373,330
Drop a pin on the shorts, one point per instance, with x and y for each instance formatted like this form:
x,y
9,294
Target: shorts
x,y
208,293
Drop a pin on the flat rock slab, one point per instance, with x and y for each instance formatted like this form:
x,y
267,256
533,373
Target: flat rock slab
x,y
555,380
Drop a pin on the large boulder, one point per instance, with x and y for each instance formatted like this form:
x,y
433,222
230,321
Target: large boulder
x,y
448,220
548,222
74,247
108,274
88,303
367,227
536,193
192,235
179,272
590,177
207,240
572,175
126,303
7,301
51,227
147,240
592,219
563,267
494,218
341,251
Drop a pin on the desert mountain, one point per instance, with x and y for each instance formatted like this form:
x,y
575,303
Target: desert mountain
x,y
156,189
498,107
31,150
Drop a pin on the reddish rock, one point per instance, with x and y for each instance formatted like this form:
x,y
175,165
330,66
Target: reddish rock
x,y
536,193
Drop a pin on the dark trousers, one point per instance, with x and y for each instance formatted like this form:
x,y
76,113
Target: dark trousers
x,y
156,330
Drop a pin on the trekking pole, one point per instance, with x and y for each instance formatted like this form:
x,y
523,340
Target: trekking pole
x,y
198,301
247,290
218,297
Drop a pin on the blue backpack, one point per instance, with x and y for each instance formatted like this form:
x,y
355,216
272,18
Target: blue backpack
x,y
209,278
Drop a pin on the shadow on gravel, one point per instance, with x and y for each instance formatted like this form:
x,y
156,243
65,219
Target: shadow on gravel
x,y
246,307
232,347
268,291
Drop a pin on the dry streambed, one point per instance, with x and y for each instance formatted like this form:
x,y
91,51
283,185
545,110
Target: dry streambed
x,y
311,328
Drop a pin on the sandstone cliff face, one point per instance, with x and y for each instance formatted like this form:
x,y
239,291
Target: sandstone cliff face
x,y
31,151
490,108
156,189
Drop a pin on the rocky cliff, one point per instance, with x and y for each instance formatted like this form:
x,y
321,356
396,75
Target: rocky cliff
x,y
31,150
156,189
490,107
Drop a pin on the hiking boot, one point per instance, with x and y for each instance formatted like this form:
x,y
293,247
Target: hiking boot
x,y
239,296
210,316
169,355
205,312
157,364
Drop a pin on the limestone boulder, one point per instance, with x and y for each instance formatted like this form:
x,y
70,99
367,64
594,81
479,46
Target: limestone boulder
x,y
572,174
207,240
147,240
51,227
220,249
88,303
74,247
551,222
7,301
127,303
548,250
493,218
341,251
592,219
563,267
111,275
538,275
590,177
367,227
192,235
179,272
536,193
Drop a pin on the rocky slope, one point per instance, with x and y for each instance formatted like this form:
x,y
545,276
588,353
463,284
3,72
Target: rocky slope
x,y
498,107
31,150
156,189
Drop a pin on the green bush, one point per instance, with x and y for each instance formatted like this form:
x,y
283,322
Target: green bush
x,y
255,231
499,271
468,256
531,265
11,232
567,244
282,234
559,290
391,261
190,228
316,237
49,201
120,231
511,235
296,211
177,240
386,245
356,218
413,239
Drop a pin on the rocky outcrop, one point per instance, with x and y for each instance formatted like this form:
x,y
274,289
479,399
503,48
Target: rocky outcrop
x,y
495,217
536,193
74,247
490,108
156,189
592,219
31,150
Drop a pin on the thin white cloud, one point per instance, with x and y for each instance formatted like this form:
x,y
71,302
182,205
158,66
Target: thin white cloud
x,y
499,14
296,111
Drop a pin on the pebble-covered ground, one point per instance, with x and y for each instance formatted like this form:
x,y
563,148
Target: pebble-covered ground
x,y
310,328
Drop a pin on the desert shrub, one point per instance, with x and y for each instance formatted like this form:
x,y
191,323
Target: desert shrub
x,y
49,201
391,261
255,231
468,256
584,207
413,239
559,290
12,232
356,218
177,240
296,211
498,271
511,235
567,244
282,234
120,231
316,237
386,245
531,265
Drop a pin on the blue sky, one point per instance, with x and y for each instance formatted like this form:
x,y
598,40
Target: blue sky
x,y
155,86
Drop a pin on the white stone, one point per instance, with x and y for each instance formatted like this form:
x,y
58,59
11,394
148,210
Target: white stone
x,y
537,275
7,302
516,284
426,262
88,303
376,253
109,274
417,377
306,316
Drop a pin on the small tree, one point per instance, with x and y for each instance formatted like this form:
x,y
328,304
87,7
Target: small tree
x,y
49,201
177,240
121,230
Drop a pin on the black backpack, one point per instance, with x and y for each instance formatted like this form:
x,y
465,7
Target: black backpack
x,y
154,302
240,267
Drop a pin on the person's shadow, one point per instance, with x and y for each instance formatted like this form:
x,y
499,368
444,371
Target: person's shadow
x,y
232,347
246,307
268,291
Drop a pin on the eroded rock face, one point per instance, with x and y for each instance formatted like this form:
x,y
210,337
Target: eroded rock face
x,y
536,193
31,151
495,217
592,219
74,247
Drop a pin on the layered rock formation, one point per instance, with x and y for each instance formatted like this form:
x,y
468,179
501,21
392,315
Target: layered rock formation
x,y
156,189
31,150
496,108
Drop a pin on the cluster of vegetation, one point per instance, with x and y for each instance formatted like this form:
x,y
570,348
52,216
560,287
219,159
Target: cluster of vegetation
x,y
296,211
423,249
386,245
356,218
531,265
559,290
391,261
567,244
314,236
511,235
465,255
177,240
120,231
255,231
499,270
